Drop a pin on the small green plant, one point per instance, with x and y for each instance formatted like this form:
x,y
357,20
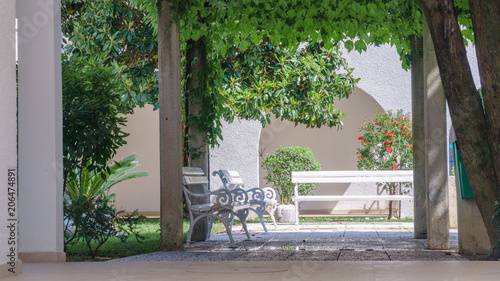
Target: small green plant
x,y
387,145
282,162
89,211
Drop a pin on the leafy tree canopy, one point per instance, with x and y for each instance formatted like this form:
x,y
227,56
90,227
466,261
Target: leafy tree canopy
x,y
296,84
118,32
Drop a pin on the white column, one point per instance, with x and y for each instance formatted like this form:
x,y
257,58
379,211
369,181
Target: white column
x,y
40,131
8,142
436,166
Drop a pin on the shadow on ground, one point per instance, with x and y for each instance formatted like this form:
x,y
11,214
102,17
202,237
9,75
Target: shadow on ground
x,y
314,242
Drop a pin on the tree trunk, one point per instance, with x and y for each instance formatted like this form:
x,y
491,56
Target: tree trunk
x,y
477,131
196,86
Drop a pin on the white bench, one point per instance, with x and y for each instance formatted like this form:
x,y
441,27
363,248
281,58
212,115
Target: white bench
x,y
222,204
347,177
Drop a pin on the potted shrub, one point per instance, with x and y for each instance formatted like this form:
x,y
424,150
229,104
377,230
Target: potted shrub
x,y
279,166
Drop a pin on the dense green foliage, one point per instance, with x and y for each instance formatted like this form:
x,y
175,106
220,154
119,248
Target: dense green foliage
x,y
92,125
89,212
117,31
299,85
126,32
280,164
387,144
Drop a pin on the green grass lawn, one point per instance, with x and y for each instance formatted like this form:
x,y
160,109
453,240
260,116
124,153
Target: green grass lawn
x,y
115,248
150,230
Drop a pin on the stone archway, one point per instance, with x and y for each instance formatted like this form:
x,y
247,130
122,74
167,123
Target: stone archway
x,y
335,150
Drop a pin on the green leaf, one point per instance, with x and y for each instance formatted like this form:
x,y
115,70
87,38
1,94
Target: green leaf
x,y
360,46
348,45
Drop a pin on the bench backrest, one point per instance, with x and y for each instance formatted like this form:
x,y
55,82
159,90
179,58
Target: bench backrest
x,y
230,179
351,176
194,176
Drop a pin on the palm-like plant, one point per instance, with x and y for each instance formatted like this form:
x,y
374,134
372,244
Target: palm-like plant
x,y
91,184
88,210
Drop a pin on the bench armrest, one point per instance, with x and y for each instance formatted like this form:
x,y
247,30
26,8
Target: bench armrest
x,y
222,196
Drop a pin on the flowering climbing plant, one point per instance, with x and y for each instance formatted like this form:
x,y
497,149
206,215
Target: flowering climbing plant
x,y
386,144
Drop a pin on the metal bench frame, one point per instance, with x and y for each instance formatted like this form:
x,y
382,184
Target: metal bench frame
x,y
222,204
261,199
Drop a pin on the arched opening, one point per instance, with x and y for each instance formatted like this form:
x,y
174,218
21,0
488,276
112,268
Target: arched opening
x,y
335,150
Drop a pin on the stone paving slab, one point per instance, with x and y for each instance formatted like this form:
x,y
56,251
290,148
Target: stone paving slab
x,y
314,242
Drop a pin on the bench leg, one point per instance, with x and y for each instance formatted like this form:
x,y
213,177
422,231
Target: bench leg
x,y
193,222
227,225
242,216
296,212
262,222
270,210
260,210
210,225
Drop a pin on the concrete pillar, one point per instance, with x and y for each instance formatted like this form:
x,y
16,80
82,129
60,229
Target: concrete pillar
x,y
169,59
435,150
418,125
40,131
472,234
9,264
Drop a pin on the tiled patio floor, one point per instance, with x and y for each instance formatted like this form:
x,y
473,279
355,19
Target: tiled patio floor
x,y
314,242
347,251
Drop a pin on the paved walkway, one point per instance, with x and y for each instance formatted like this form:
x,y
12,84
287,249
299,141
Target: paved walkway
x,y
314,242
347,251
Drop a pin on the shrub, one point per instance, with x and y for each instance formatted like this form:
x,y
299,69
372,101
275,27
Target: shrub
x,y
387,145
92,118
282,162
89,212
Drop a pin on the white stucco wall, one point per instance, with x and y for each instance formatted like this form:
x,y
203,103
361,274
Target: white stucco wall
x,y
141,193
8,131
238,151
382,76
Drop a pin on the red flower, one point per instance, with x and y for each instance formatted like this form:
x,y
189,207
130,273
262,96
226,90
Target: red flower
x,y
396,160
360,138
363,142
388,149
390,134
376,123
360,157
411,134
403,128
385,143
395,167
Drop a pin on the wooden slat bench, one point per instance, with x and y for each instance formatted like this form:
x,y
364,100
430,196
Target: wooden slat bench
x,y
347,177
